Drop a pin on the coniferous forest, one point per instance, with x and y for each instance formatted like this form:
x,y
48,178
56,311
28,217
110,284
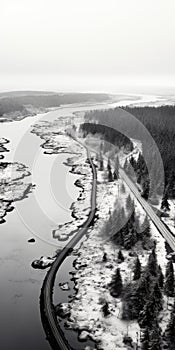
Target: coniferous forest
x,y
159,129
160,122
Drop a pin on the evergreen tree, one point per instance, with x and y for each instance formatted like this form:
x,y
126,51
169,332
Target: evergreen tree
x,y
129,239
129,233
101,162
128,202
116,285
120,256
155,342
157,296
110,177
122,215
101,165
105,309
116,170
169,280
97,157
115,175
109,165
135,297
165,204
130,305
130,170
133,162
137,269
146,227
123,188
145,339
143,289
125,167
147,314
152,263
169,335
160,277
145,187
105,257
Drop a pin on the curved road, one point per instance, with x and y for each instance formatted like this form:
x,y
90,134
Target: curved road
x,y
52,329
54,334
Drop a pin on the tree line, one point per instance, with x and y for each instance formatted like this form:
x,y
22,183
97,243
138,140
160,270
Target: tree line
x,y
159,123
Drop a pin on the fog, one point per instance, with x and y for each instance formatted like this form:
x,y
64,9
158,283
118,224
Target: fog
x,y
87,45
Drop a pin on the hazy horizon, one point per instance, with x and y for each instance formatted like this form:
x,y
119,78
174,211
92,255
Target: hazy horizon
x,y
116,46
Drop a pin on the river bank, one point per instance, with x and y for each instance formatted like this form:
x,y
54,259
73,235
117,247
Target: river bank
x,y
92,275
37,216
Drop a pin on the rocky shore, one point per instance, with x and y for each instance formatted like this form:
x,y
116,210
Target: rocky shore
x,y
57,140
13,186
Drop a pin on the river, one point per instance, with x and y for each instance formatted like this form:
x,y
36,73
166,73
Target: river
x,y
36,216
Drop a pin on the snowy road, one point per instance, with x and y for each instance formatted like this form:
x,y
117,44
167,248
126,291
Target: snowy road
x,y
54,334
150,212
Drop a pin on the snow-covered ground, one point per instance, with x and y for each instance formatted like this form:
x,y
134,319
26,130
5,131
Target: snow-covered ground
x,y
80,208
93,275
13,185
56,136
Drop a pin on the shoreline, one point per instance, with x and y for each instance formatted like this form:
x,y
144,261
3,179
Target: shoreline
x,y
12,188
65,231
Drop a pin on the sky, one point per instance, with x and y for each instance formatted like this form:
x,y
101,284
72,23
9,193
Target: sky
x,y
87,45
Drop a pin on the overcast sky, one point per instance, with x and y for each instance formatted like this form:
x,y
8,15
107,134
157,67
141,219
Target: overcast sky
x,y
86,44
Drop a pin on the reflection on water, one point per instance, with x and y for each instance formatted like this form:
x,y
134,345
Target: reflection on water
x,y
20,324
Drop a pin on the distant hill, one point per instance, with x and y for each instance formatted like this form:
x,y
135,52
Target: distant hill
x,y
18,104
25,93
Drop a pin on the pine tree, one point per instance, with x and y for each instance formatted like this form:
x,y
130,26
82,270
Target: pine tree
x,y
137,269
105,309
165,204
128,202
160,277
143,290
146,227
105,257
135,297
129,233
145,339
122,215
130,170
125,167
169,335
129,239
145,187
123,188
147,314
133,162
155,342
120,256
101,162
116,170
116,284
109,165
169,280
115,175
130,304
101,165
110,177
152,263
157,296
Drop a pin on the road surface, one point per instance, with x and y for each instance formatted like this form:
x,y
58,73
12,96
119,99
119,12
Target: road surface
x,y
54,334
150,212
